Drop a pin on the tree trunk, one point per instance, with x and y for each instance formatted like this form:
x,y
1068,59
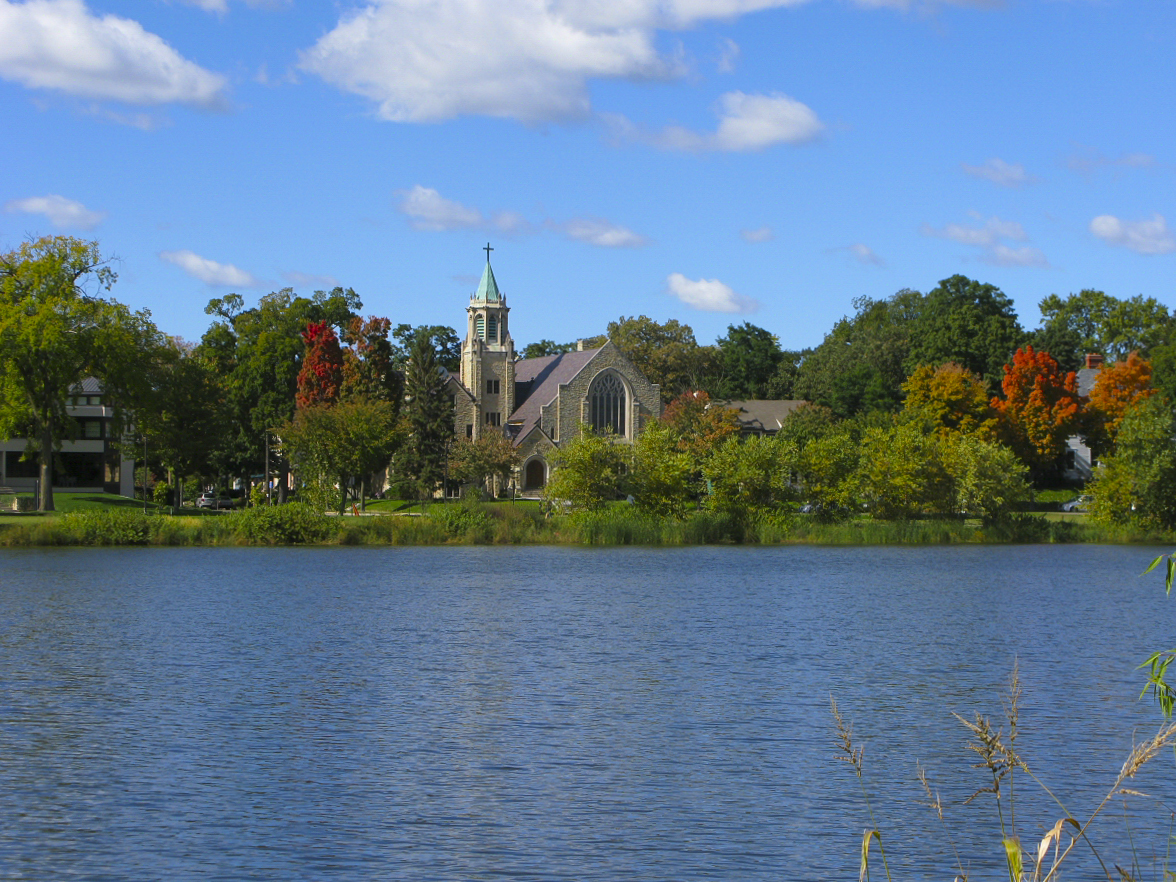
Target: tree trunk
x,y
283,481
45,503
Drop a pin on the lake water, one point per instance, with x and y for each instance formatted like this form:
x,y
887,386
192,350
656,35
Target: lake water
x,y
554,713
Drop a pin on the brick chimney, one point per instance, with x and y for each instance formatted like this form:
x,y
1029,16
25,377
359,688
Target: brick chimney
x,y
1094,360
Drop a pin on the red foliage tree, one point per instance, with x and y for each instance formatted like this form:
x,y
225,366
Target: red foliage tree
x,y
1116,389
1040,408
322,366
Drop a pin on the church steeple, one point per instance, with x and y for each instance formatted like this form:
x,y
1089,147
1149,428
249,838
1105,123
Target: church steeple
x,y
487,356
487,288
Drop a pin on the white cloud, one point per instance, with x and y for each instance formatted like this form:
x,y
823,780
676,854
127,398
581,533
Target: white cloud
x,y
603,234
429,210
1004,255
1143,237
988,236
999,172
310,280
729,52
209,271
521,59
763,234
59,44
1087,160
62,213
746,123
708,295
865,254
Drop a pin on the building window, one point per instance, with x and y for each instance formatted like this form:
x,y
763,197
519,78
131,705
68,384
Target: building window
x,y
480,327
469,430
493,419
492,387
606,405
492,328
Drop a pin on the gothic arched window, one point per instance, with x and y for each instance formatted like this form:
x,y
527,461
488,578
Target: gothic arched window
x,y
492,329
480,327
606,404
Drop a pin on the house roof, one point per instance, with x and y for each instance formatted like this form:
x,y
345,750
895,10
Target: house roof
x,y
488,288
763,415
1086,378
542,378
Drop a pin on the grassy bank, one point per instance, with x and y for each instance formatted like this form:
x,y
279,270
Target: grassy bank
x,y
509,524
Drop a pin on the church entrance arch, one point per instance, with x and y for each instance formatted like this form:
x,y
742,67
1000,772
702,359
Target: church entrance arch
x,y
535,475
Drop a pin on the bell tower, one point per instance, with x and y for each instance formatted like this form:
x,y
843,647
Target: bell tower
x,y
487,354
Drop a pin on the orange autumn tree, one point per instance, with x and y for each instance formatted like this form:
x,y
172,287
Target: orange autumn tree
x,y
1040,408
1116,389
698,424
949,398
322,366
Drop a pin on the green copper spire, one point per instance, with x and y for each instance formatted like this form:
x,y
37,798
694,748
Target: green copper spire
x,y
488,288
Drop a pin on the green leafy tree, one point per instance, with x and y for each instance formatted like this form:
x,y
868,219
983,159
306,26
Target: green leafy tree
x,y
547,347
1137,483
666,354
187,418
428,410
749,358
588,471
488,459
1107,325
55,330
829,470
664,474
861,363
444,340
901,474
335,448
970,323
987,477
258,352
782,385
751,475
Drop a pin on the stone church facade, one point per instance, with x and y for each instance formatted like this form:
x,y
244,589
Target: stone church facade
x,y
541,403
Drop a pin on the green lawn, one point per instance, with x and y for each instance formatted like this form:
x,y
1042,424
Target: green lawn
x,y
65,502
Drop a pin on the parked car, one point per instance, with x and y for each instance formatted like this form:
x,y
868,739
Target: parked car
x,y
1080,504
209,499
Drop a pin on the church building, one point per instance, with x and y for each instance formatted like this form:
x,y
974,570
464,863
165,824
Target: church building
x,y
541,403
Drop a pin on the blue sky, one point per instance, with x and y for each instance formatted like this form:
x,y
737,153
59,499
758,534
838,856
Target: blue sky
x,y
714,161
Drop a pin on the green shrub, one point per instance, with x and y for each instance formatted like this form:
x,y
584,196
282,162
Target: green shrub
x,y
295,523
468,521
112,527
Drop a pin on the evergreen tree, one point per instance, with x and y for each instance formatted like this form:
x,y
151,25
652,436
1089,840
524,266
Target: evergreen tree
x,y
429,412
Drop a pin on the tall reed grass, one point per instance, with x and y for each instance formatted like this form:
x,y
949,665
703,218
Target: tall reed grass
x,y
477,524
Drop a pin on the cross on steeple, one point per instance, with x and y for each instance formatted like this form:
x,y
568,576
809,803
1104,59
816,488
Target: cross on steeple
x,y
487,249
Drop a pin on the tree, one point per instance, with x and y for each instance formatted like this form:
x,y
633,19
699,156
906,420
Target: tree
x,y
751,475
1039,410
782,385
947,399
1117,388
900,472
588,471
970,323
429,413
258,354
187,419
547,347
1107,325
667,354
664,474
861,363
749,358
444,340
1137,483
321,375
55,330
340,446
368,368
987,477
491,456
